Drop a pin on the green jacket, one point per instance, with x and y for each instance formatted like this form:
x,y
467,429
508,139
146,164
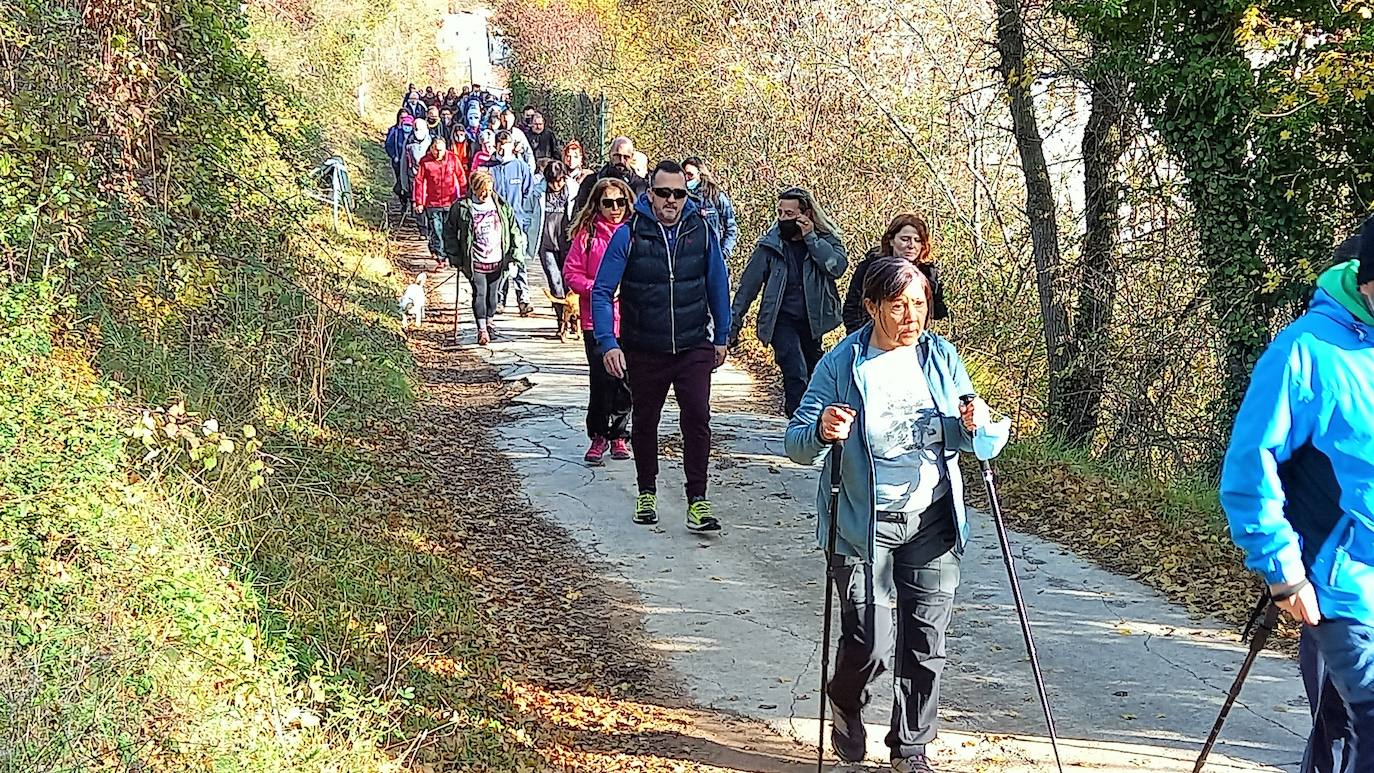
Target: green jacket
x,y
766,271
458,235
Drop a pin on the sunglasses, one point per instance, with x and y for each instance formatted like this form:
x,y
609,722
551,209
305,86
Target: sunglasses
x,y
676,193
614,203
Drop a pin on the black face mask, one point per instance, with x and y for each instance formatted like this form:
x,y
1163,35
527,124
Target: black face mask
x,y
788,229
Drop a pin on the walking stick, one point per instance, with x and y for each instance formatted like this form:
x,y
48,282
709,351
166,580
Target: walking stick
x,y
996,506
1262,626
836,454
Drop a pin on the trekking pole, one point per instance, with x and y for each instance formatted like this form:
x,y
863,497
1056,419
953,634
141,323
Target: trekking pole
x,y
990,482
836,454
1262,622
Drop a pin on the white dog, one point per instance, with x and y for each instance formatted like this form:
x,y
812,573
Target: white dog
x,y
413,301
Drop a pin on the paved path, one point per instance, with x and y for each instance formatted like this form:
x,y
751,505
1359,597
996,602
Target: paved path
x,y
1135,683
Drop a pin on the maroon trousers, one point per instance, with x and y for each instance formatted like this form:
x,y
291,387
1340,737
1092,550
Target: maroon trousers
x,y
689,374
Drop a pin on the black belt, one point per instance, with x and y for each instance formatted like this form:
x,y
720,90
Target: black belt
x,y
887,517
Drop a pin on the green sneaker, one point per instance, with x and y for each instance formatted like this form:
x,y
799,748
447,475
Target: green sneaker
x,y
646,508
699,517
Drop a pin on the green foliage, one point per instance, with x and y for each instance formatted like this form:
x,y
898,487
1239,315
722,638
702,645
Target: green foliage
x,y
185,349
1267,106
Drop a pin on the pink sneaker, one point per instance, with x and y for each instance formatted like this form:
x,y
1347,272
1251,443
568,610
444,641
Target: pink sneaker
x,y
596,455
620,449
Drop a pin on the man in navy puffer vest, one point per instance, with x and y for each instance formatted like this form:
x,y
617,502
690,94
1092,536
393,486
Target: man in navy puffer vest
x,y
674,320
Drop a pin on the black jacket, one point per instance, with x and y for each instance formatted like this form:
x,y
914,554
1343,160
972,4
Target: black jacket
x,y
543,144
584,191
854,314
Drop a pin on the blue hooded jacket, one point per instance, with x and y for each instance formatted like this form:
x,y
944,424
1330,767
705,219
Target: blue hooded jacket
x,y
837,380
396,139
1297,483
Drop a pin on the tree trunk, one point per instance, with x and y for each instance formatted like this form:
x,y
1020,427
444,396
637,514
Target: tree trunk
x,y
1040,209
1089,348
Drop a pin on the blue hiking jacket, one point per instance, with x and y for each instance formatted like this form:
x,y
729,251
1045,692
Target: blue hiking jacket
x,y
1297,483
720,213
836,380
396,139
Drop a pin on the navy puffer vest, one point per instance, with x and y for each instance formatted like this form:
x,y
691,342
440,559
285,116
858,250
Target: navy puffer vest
x,y
663,305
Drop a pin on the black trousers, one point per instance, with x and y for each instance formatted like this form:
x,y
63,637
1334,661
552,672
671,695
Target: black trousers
x,y
688,373
608,409
796,352
893,614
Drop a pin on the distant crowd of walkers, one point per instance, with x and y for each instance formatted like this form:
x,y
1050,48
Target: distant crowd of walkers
x,y
645,252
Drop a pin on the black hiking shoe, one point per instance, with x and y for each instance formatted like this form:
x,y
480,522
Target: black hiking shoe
x,y
848,737
646,508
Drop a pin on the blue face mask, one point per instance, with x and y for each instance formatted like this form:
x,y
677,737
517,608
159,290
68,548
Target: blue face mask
x,y
990,439
693,184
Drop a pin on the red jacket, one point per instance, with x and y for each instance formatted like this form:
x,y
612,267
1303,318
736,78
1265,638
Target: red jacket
x,y
439,182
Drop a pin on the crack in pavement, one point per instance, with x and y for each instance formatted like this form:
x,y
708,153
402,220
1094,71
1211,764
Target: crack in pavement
x,y
551,456
1120,620
796,687
1203,681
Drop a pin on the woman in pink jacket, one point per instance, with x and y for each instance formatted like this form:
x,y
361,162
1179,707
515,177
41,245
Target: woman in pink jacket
x,y
608,409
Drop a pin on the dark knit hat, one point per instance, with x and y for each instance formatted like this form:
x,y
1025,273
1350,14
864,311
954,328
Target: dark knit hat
x,y
1361,246
1367,252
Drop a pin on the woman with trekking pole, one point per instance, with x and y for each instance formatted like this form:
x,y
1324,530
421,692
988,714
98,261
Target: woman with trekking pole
x,y
896,395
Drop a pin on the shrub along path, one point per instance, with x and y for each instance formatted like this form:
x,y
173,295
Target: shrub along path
x,y
647,621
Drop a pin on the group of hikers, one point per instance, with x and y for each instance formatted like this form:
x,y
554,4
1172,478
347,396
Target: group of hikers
x,y
645,252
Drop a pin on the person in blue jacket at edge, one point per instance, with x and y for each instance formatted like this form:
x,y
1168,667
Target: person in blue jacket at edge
x,y
1297,485
895,393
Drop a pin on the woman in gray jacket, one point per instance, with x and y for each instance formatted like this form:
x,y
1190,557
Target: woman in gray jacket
x,y
795,266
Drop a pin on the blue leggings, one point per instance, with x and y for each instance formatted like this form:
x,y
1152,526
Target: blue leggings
x,y
1346,650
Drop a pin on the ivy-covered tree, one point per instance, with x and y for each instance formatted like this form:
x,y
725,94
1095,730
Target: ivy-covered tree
x,y
1267,108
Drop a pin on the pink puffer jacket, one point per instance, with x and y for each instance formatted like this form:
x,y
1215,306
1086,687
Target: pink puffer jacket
x,y
579,270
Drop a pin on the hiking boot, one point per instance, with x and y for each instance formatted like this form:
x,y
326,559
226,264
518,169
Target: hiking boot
x,y
620,449
596,455
526,309
646,508
916,763
848,737
699,517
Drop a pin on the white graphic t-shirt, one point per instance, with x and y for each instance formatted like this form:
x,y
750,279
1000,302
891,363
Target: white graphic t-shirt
x,y
903,430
